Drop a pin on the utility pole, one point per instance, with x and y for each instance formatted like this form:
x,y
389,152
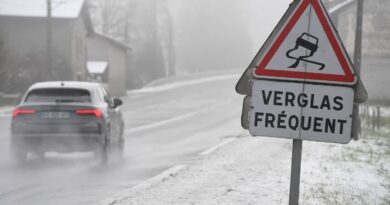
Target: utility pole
x,y
359,36
357,60
49,40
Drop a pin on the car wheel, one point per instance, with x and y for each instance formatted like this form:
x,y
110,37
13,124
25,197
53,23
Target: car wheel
x,y
103,150
115,150
120,146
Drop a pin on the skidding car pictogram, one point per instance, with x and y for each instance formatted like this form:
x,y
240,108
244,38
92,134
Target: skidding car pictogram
x,y
308,42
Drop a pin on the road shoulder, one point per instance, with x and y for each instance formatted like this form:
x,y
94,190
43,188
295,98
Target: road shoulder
x,y
256,171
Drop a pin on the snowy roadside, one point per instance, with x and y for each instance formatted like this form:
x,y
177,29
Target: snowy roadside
x,y
257,170
178,84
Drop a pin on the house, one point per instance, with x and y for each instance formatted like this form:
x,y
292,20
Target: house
x,y
24,29
375,51
107,62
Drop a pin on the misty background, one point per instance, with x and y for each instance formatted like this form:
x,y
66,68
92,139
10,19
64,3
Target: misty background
x,y
174,37
187,36
177,52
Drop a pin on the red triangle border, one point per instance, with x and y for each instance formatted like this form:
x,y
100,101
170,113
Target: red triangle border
x,y
347,78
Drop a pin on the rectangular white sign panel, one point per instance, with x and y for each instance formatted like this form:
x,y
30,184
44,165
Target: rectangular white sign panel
x,y
301,111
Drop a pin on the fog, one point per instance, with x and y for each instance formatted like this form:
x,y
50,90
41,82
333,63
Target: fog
x,y
222,34
188,36
171,67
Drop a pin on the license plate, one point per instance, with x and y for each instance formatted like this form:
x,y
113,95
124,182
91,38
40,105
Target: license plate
x,y
56,115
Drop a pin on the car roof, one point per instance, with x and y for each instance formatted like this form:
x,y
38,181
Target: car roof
x,y
65,84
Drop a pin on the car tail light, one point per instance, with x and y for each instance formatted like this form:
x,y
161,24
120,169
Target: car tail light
x,y
97,112
18,112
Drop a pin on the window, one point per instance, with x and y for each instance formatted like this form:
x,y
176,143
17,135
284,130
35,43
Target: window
x,y
58,95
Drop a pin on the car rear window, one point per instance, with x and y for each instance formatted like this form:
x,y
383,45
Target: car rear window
x,y
62,95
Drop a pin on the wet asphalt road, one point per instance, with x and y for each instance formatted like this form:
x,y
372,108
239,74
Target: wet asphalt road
x,y
163,129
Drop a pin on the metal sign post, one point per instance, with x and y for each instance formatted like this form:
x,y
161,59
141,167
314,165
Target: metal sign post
x,y
301,85
295,172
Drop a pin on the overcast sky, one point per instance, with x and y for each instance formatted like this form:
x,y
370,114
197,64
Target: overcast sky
x,y
220,34
262,16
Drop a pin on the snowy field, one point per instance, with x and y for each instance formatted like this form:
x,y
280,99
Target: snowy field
x,y
257,170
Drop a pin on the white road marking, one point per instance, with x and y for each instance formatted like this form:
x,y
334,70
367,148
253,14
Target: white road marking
x,y
147,183
160,123
212,149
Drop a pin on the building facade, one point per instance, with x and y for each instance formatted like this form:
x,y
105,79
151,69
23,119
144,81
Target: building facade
x,y
104,49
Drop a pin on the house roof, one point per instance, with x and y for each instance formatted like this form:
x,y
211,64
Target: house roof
x,y
38,8
61,9
112,41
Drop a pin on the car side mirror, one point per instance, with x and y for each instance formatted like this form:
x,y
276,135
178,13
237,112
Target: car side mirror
x,y
117,102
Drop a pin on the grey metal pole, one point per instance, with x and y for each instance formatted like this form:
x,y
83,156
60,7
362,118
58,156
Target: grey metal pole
x,y
49,39
295,172
357,59
358,37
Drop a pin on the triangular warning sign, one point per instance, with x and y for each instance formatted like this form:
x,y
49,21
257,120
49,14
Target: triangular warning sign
x,y
307,48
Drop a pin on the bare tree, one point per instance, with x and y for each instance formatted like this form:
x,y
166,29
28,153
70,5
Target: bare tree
x,y
3,70
147,27
110,17
166,34
376,28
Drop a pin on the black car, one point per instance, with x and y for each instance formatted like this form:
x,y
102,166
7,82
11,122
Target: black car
x,y
66,117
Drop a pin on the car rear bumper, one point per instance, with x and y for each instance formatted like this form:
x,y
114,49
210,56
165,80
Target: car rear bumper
x,y
21,128
57,142
57,138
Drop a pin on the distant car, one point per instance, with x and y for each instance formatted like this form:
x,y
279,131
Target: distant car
x,y
66,117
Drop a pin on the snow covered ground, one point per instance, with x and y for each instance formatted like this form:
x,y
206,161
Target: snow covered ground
x,y
257,170
162,86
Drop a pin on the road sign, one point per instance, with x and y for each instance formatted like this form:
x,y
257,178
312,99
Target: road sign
x,y
243,86
246,108
307,48
316,100
301,111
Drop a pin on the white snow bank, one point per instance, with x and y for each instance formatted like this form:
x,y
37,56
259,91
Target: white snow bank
x,y
175,85
257,170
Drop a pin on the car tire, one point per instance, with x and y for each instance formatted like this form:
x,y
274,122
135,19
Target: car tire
x,y
115,150
106,147
102,153
121,142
